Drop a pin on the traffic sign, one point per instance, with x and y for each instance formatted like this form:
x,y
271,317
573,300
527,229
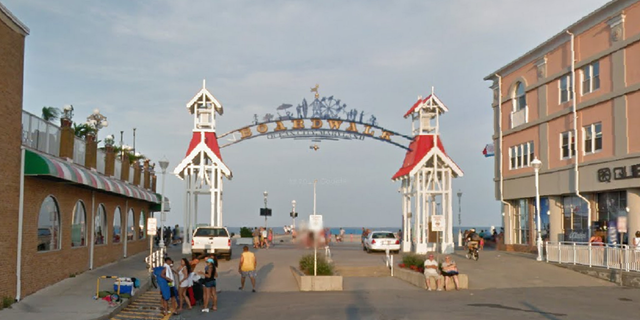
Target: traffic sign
x,y
152,226
315,222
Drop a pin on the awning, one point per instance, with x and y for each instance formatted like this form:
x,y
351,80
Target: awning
x,y
40,164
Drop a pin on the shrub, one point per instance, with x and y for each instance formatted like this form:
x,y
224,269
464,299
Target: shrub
x,y
323,267
413,260
6,302
245,232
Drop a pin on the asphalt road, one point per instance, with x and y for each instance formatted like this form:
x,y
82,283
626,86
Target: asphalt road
x,y
503,286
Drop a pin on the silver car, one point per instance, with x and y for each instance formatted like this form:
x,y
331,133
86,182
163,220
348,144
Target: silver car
x,y
381,241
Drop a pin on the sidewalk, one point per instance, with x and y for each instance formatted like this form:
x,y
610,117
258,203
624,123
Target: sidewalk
x,y
72,298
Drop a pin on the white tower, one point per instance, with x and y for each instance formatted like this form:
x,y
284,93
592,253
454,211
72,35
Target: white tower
x,y
202,169
426,176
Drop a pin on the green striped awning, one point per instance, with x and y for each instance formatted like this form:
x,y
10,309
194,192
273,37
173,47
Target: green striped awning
x,y
40,164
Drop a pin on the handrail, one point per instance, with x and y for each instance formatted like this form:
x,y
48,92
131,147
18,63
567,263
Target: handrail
x,y
609,256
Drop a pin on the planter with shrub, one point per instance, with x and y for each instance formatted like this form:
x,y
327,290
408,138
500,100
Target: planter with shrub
x,y
326,279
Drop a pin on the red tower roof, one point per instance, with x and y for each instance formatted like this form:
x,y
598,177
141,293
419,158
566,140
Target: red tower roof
x,y
210,139
421,147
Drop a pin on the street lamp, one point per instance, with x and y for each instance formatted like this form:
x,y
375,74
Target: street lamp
x,y
294,214
266,194
163,165
459,207
536,164
97,121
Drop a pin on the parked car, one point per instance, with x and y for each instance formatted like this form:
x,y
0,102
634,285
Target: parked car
x,y
381,241
214,240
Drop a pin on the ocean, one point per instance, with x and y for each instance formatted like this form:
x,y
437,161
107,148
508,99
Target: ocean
x,y
358,230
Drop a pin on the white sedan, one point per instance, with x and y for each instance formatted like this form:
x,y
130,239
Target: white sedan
x,y
381,241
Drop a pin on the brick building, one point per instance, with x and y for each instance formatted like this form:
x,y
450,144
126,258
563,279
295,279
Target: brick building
x,y
66,203
572,102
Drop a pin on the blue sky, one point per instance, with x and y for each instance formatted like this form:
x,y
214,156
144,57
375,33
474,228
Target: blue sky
x,y
139,62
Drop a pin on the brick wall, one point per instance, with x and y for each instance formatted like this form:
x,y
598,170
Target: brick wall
x,y
11,74
41,269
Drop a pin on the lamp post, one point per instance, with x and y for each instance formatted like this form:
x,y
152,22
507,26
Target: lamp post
x,y
96,120
266,194
536,164
294,214
459,207
163,165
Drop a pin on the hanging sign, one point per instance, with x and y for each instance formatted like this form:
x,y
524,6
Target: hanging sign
x,y
622,224
437,223
152,226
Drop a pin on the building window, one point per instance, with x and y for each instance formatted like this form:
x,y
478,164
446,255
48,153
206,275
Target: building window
x,y
521,155
575,212
117,225
79,225
49,225
521,223
566,91
130,226
567,145
592,138
591,77
611,205
100,226
141,226
519,97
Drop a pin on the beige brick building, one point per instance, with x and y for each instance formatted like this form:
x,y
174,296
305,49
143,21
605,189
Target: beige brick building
x,y
67,206
580,119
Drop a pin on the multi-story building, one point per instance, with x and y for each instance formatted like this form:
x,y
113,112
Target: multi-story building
x,y
66,205
572,102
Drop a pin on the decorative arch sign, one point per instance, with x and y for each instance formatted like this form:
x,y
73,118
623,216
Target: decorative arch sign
x,y
324,118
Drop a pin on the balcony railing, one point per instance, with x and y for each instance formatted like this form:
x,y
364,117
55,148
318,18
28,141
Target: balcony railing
x,y
131,174
40,135
519,117
117,169
79,151
101,160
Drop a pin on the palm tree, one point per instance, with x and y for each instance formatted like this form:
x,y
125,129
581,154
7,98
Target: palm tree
x,y
50,113
81,130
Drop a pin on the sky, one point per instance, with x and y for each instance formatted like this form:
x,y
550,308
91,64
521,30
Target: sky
x,y
140,62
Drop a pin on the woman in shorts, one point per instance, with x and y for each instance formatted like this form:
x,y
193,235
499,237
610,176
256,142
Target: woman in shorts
x,y
450,269
210,274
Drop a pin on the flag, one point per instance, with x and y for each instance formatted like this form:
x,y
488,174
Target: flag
x,y
488,150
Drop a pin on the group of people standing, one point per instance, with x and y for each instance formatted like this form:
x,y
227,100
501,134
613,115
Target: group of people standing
x,y
169,236
262,238
183,285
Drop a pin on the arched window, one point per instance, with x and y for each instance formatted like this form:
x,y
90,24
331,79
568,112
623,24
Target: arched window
x,y
117,225
100,226
519,97
49,225
79,225
131,227
142,230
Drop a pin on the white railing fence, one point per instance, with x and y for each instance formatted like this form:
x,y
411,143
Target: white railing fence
x,y
156,259
327,253
610,256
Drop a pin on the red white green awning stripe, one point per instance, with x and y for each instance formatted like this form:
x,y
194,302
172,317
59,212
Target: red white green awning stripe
x,y
43,164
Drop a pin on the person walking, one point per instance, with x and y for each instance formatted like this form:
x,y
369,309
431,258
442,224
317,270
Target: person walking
x,y
256,238
270,237
247,268
184,283
210,274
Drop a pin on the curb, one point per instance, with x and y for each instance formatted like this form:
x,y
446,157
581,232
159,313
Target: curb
x,y
144,287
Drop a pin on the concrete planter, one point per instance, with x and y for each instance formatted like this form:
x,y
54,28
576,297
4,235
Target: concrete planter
x,y
417,279
318,283
244,241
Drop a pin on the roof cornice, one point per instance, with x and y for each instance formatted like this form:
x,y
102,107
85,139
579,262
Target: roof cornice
x,y
601,14
13,21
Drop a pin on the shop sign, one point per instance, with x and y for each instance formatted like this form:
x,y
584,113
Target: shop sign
x,y
619,173
577,236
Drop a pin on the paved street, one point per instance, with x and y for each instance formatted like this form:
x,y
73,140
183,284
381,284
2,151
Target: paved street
x,y
503,286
